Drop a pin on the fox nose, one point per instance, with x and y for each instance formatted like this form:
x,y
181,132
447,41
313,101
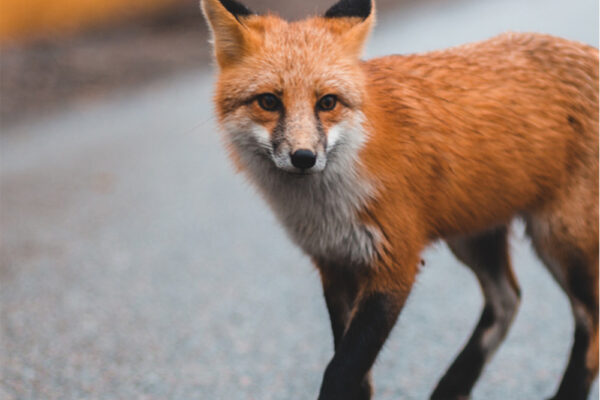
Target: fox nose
x,y
303,159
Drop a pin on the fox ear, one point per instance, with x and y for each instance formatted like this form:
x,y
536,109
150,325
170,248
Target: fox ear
x,y
355,18
229,35
350,8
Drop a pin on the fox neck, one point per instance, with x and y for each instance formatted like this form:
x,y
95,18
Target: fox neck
x,y
320,211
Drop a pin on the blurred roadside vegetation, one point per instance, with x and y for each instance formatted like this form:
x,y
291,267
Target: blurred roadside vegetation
x,y
59,53
27,19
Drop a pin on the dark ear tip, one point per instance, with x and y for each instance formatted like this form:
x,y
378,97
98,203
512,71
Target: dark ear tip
x,y
237,9
350,8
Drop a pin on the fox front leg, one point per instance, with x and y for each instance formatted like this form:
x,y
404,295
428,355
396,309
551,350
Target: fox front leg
x,y
374,317
341,289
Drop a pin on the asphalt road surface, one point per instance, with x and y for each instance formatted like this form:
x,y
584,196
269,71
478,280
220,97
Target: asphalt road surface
x,y
137,265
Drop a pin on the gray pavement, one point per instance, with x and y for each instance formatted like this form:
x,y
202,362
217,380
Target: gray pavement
x,y
136,264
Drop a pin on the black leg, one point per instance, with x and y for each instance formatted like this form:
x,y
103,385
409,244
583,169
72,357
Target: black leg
x,y
582,289
374,318
341,290
580,372
486,254
340,295
575,384
466,368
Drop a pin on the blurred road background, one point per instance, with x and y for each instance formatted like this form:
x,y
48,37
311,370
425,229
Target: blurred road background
x,y
136,265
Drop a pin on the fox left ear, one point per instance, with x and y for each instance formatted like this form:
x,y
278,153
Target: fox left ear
x,y
350,8
230,37
354,18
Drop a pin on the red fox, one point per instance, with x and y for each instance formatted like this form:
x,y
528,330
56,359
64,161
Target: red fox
x,y
365,163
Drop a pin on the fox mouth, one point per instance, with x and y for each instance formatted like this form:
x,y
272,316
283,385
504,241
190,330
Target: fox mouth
x,y
302,172
298,172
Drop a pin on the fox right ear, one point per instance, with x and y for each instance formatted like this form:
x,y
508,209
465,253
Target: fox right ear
x,y
229,35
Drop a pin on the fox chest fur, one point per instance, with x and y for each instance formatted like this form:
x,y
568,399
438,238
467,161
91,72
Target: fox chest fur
x,y
320,212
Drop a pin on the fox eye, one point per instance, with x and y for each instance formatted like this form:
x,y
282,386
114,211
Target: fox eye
x,y
327,103
269,102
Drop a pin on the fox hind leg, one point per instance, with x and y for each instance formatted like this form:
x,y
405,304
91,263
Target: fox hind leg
x,y
486,254
567,242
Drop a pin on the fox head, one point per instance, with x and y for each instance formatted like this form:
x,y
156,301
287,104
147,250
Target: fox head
x,y
290,92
